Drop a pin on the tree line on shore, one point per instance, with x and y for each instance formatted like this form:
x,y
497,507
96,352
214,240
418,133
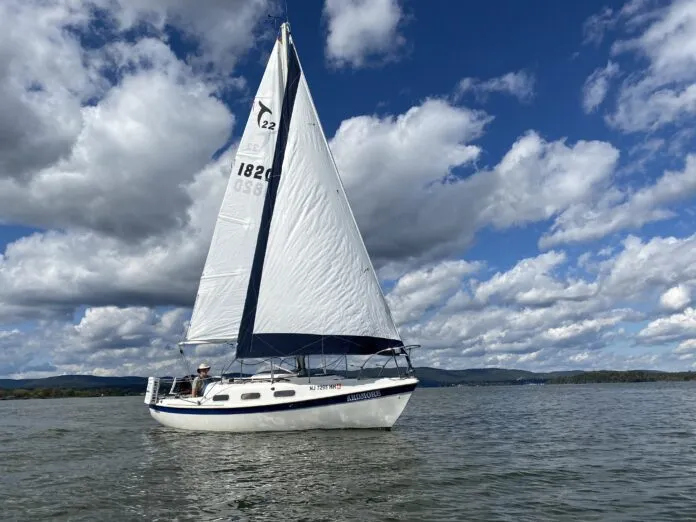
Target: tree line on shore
x,y
56,393
609,376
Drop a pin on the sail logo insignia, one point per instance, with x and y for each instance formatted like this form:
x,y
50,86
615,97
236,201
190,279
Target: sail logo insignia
x,y
363,396
265,124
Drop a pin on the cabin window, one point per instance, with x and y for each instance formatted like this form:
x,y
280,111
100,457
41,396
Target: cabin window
x,y
221,397
284,393
247,396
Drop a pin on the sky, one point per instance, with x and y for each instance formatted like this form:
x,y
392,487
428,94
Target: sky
x,y
523,174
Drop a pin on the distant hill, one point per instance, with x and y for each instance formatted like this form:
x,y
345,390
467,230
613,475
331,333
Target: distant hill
x,y
502,376
480,376
432,377
624,376
79,382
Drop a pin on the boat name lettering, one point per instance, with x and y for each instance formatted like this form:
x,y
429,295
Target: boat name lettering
x,y
315,387
364,395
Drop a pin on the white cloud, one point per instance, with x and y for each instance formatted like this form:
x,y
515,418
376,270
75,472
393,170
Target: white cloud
x,y
415,160
408,160
417,291
108,136
664,92
676,298
531,283
61,270
597,85
42,84
618,210
117,161
642,107
596,25
527,310
519,84
117,328
537,179
687,347
643,153
676,327
223,29
46,76
136,149
565,322
107,341
579,329
362,30
646,268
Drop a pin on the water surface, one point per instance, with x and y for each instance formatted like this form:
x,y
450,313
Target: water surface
x,y
516,453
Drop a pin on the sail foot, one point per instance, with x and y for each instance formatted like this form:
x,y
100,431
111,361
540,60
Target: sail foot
x,y
289,344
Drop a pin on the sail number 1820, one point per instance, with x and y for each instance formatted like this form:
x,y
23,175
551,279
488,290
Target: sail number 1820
x,y
249,170
256,175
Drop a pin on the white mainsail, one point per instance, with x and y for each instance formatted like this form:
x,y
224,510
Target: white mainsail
x,y
217,312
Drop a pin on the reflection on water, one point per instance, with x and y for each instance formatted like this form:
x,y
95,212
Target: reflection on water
x,y
291,475
521,453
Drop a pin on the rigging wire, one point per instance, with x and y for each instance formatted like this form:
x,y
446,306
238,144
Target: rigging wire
x,y
187,364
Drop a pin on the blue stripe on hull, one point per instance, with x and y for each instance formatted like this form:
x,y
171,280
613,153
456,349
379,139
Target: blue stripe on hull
x,y
286,406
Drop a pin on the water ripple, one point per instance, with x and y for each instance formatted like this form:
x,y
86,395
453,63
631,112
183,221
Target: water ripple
x,y
600,452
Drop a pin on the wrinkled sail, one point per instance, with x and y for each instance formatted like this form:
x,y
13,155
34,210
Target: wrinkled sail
x,y
217,311
302,280
316,290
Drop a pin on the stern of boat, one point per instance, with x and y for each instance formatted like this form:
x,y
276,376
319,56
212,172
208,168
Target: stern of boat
x,y
152,391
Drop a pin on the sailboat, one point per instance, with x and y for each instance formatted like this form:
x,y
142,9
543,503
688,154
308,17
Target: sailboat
x,y
287,276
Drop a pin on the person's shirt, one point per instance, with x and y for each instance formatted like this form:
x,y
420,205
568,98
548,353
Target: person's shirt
x,y
197,386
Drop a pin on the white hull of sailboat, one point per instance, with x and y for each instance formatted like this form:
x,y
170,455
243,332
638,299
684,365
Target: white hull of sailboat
x,y
375,405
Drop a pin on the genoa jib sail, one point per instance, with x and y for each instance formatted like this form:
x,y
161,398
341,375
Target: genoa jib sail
x,y
304,283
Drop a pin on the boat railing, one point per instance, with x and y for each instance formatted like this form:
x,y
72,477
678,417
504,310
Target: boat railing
x,y
276,372
159,387
180,387
392,354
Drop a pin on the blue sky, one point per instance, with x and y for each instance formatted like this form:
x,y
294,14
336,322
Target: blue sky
x,y
521,173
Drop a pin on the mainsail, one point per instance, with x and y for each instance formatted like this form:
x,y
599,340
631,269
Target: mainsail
x,y
293,256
